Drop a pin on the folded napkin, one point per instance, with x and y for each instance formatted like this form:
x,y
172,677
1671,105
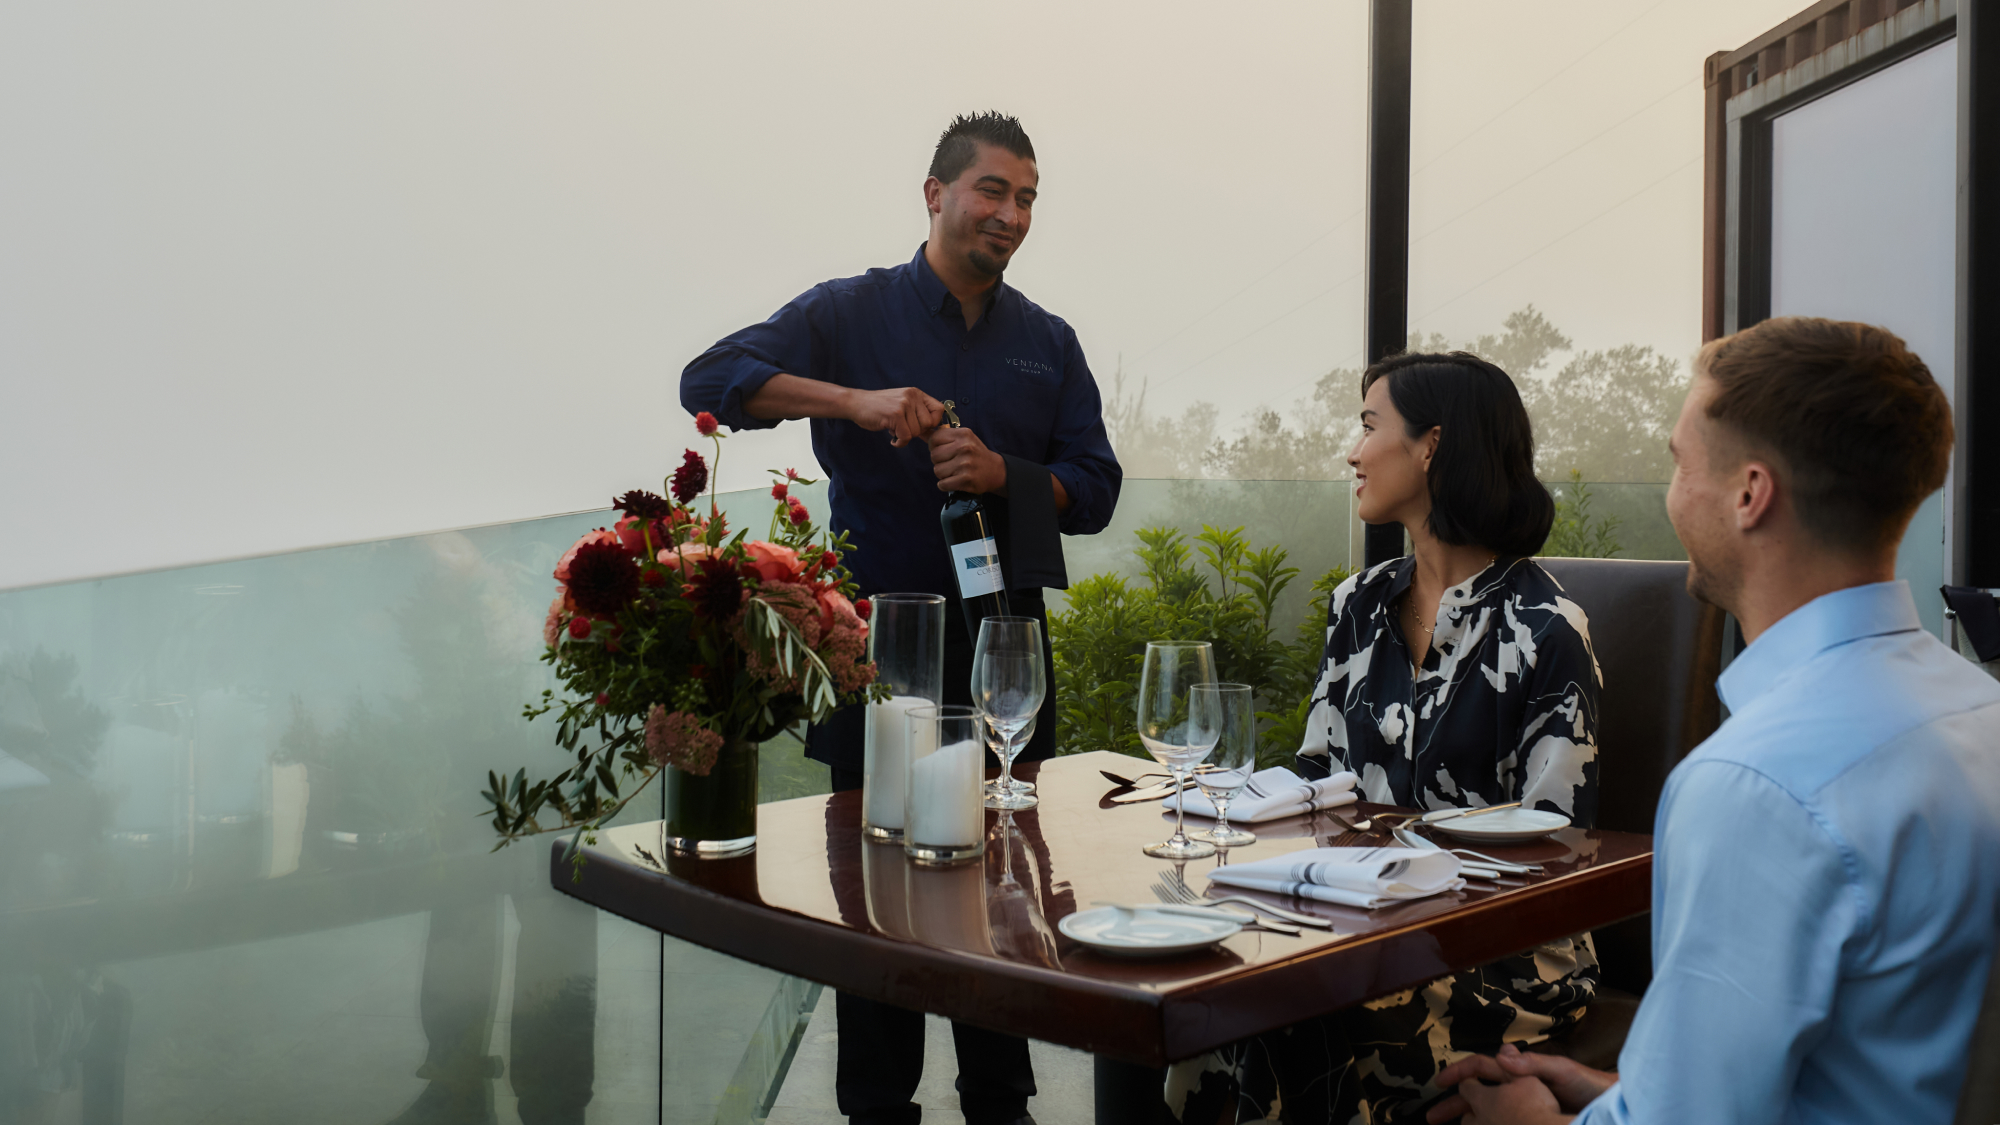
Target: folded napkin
x,y
1273,793
1364,877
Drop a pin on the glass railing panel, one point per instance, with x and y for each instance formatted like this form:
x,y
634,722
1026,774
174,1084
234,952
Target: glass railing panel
x,y
247,877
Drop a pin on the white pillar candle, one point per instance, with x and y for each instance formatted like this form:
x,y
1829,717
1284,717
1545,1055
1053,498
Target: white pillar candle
x,y
885,765
946,805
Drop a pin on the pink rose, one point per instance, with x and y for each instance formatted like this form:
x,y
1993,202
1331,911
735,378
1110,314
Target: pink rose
x,y
685,556
772,562
836,611
552,625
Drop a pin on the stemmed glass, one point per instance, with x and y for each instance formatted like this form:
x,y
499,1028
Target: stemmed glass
x,y
1171,669
1008,683
1222,716
997,744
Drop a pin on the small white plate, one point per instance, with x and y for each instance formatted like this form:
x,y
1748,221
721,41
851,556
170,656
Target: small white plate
x,y
1508,826
1139,932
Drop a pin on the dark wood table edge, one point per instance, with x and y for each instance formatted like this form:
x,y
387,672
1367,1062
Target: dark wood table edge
x,y
911,975
1058,1007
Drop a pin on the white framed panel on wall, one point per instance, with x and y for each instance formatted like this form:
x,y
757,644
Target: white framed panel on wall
x,y
1863,226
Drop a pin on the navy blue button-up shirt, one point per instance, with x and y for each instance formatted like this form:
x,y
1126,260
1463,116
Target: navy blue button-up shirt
x,y
1018,378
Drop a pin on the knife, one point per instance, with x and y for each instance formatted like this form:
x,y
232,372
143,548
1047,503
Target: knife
x,y
1458,814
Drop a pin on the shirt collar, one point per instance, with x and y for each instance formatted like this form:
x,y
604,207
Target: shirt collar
x,y
937,299
1467,592
1820,624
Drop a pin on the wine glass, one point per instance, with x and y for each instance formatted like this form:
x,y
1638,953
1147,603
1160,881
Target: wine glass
x,y
1008,683
1223,716
1171,668
998,746
1016,634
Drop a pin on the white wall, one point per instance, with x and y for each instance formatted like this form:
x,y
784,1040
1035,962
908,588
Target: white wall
x,y
274,275
1864,227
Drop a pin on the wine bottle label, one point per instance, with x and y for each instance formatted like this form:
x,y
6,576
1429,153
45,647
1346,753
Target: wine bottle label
x,y
977,565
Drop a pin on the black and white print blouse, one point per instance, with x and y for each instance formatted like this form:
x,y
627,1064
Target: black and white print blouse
x,y
1503,709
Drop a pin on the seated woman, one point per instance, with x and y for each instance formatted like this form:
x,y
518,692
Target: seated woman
x,y
1457,676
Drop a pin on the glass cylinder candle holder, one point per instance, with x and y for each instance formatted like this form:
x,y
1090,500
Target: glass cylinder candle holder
x,y
944,818
906,642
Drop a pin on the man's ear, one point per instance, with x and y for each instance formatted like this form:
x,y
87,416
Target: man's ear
x,y
1756,500
934,195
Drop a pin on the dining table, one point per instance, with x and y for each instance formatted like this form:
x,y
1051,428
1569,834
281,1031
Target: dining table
x,y
980,941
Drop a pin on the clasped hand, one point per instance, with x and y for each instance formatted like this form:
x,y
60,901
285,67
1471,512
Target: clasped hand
x,y
1526,1088
961,461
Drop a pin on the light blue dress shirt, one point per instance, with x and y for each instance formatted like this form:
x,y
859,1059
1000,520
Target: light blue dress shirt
x,y
1825,882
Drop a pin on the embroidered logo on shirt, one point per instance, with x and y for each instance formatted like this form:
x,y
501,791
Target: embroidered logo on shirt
x,y
1030,365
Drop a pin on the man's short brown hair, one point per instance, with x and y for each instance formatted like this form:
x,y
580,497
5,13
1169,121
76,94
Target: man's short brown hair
x,y
1849,411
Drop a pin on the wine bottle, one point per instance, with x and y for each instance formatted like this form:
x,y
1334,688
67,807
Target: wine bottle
x,y
975,553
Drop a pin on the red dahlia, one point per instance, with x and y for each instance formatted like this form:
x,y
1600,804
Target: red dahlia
x,y
603,579
690,478
716,589
644,505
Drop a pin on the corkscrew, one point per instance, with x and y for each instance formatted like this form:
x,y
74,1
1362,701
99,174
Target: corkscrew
x,y
950,414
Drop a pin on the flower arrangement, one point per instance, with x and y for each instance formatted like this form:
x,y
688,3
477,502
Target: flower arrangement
x,y
674,639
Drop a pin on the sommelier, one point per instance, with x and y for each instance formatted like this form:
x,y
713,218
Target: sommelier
x,y
871,361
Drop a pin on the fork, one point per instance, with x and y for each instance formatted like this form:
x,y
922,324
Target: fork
x,y
1168,900
1169,890
1132,782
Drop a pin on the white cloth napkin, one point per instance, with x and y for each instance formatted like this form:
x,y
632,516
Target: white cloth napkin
x,y
1364,877
1274,793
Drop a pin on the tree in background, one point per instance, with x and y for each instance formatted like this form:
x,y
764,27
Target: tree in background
x,y
1603,414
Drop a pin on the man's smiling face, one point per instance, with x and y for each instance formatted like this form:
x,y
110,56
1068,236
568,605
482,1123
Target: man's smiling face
x,y
982,217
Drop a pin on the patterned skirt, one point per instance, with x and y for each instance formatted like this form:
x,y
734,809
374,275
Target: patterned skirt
x,y
1378,1062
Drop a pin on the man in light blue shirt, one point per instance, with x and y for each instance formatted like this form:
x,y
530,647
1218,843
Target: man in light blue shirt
x,y
1828,867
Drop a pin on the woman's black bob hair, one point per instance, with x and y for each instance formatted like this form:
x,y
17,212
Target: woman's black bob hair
x,y
1482,477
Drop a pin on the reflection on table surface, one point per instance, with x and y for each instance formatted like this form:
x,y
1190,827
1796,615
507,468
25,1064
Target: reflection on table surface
x,y
813,868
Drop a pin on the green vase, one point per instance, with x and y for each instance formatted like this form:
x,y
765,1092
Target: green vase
x,y
716,815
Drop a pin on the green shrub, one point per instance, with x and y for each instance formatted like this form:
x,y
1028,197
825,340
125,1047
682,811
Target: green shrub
x,y
1100,641
1576,533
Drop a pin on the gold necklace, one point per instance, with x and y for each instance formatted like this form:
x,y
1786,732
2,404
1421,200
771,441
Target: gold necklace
x,y
1417,619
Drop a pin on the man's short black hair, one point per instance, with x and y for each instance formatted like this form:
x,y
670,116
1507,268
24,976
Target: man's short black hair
x,y
959,145
1482,478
